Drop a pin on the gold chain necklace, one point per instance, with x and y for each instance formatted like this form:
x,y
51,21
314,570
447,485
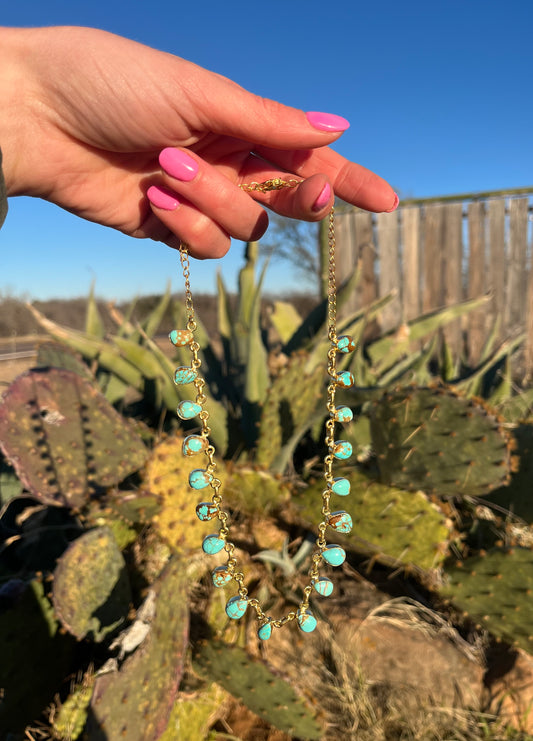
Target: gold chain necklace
x,y
339,521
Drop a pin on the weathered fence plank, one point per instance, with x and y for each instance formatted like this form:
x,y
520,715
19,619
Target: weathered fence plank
x,y
496,270
476,278
389,267
453,272
432,257
411,303
516,266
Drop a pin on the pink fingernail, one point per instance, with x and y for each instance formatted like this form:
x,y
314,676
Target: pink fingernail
x,y
162,198
323,198
394,205
178,164
327,121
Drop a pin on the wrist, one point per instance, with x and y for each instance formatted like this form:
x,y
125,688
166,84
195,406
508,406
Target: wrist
x,y
15,106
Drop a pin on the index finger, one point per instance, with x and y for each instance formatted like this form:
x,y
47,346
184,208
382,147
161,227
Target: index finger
x,y
353,183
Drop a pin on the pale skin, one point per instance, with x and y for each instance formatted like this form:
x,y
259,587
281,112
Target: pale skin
x,y
85,115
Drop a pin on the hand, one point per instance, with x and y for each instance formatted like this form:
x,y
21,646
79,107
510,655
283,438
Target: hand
x,y
85,115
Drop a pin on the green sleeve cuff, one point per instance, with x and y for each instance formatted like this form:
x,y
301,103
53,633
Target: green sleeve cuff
x,y
3,196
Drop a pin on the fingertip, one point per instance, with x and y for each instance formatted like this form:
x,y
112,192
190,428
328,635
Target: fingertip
x,y
394,205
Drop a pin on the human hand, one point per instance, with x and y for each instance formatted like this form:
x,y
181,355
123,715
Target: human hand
x,y
85,115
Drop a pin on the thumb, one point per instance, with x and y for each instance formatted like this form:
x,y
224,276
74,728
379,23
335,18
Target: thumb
x,y
230,110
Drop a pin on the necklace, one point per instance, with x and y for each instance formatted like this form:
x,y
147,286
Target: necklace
x,y
201,478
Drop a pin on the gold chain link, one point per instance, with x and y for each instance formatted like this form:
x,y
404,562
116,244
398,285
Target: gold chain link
x,y
215,484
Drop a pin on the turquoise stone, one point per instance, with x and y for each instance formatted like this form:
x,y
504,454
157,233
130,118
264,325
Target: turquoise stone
x,y
345,379
265,631
343,414
323,586
206,511
334,555
188,409
199,479
340,521
194,444
221,576
180,337
342,449
236,607
346,344
307,621
213,544
184,374
341,487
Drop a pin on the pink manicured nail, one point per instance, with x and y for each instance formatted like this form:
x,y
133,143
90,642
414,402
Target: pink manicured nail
x,y
162,198
327,121
394,205
323,198
178,164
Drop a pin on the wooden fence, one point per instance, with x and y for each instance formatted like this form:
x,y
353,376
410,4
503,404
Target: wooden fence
x,y
436,252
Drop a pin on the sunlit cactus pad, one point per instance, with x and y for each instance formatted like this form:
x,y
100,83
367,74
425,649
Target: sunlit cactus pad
x,y
395,526
135,702
434,440
496,589
64,439
252,682
91,591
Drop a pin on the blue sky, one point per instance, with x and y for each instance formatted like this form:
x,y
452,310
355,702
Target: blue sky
x,y
438,95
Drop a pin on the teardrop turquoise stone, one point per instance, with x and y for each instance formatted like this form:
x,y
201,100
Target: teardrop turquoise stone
x,y
184,374
236,607
220,576
194,444
342,449
345,379
343,414
188,409
346,343
212,544
199,479
265,631
334,555
206,511
180,337
307,621
341,522
323,586
341,487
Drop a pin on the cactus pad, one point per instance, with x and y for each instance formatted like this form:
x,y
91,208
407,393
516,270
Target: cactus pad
x,y
166,476
63,438
69,721
254,490
437,441
496,588
252,682
91,592
135,702
393,525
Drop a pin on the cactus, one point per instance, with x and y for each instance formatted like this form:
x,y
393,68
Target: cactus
x,y
166,477
135,702
194,713
69,720
254,491
495,589
434,440
517,497
64,439
91,591
35,656
393,526
253,683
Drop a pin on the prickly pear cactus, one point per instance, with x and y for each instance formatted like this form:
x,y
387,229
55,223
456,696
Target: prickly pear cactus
x,y
35,658
91,591
64,439
254,491
496,588
393,525
517,497
252,682
167,477
193,714
69,720
135,702
434,440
